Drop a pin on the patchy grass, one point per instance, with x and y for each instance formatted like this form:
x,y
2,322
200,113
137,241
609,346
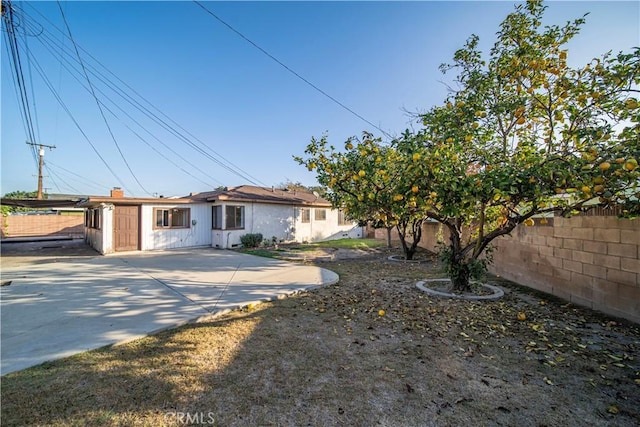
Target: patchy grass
x,y
336,244
328,357
348,244
277,252
263,252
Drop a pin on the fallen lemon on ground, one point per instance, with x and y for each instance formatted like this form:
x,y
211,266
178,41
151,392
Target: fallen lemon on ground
x,y
381,312
522,317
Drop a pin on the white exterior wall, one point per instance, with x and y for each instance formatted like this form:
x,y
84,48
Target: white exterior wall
x,y
102,239
328,229
269,220
197,234
284,223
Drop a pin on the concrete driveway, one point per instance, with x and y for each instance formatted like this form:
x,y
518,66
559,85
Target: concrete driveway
x,y
57,306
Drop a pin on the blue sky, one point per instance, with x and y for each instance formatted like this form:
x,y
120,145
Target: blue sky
x,y
380,59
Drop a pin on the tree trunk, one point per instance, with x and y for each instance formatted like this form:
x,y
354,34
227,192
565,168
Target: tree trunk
x,y
389,237
408,251
458,269
460,275
416,235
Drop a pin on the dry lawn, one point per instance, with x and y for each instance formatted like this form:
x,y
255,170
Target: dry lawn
x,y
328,357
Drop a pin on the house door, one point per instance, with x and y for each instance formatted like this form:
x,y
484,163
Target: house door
x,y
126,228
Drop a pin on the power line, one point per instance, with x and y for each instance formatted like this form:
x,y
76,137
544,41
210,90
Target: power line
x,y
203,148
85,180
33,95
106,122
52,173
75,122
18,74
290,70
50,48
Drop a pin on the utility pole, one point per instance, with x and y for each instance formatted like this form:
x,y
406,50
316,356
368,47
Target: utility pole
x,y
41,148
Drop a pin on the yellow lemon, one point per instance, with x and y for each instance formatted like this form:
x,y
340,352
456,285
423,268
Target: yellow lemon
x,y
604,166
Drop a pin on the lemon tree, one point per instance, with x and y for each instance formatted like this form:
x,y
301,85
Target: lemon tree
x,y
371,183
526,134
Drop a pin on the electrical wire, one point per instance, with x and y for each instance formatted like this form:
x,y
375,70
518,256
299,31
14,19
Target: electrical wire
x,y
75,122
50,176
33,95
162,143
21,109
289,69
53,173
201,147
77,177
106,122
147,131
71,72
18,75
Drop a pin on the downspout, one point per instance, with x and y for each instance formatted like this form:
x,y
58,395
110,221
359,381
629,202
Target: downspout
x,y
295,224
311,220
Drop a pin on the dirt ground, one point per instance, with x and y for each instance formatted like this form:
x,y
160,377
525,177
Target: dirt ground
x,y
369,350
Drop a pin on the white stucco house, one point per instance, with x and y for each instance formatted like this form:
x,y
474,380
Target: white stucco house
x,y
216,218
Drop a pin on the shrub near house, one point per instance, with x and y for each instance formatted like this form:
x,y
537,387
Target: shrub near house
x,y
252,240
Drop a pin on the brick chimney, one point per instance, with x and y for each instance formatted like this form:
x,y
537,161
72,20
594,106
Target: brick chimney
x,y
117,193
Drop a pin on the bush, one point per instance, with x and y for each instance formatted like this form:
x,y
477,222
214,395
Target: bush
x,y
251,240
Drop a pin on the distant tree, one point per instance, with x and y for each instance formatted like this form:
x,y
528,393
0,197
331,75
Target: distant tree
x,y
21,195
290,185
5,210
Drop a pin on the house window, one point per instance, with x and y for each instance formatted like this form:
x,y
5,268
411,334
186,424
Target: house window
x,y
320,214
95,223
216,217
305,213
235,217
92,218
342,218
172,218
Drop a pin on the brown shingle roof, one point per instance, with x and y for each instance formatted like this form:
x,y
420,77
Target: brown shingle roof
x,y
248,193
243,193
96,200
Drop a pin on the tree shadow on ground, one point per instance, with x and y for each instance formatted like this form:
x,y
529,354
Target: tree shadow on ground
x,y
328,357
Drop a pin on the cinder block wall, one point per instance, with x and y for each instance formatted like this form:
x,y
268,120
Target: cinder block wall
x,y
593,261
42,225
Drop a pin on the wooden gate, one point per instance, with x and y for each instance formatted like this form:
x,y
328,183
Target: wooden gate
x,y
126,230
